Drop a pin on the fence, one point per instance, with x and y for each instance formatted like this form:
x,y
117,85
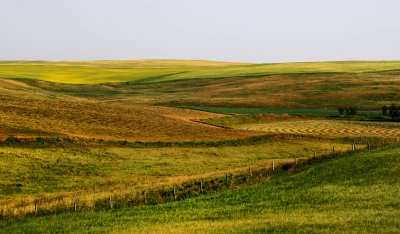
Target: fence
x,y
188,189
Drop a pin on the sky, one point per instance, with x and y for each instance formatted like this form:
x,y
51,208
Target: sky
x,y
260,31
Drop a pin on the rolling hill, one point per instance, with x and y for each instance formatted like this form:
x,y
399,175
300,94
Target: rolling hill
x,y
356,193
28,111
153,71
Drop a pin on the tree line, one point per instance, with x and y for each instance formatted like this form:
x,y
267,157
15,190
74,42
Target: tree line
x,y
352,110
392,111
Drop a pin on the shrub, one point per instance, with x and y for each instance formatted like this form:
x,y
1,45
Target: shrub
x,y
394,111
384,110
341,110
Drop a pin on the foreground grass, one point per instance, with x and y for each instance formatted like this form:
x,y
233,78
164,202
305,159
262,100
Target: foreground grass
x,y
150,71
356,193
27,174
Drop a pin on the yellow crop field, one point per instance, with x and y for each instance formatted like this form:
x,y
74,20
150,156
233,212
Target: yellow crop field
x,y
152,71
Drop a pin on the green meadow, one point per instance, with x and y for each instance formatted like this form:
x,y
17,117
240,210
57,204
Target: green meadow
x,y
257,111
352,193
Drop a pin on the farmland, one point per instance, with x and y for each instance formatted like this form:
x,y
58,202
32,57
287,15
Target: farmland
x,y
86,131
309,126
150,71
301,93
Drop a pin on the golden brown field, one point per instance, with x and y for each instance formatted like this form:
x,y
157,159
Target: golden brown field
x,y
365,90
27,111
330,128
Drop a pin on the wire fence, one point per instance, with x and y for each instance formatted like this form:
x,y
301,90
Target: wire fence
x,y
189,189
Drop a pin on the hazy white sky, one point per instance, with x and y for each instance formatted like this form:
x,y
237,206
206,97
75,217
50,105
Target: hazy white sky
x,y
230,30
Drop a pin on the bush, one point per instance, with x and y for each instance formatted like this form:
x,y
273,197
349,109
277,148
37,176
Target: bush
x,y
384,110
341,110
352,110
394,111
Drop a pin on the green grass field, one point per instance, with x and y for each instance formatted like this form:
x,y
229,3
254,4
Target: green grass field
x,y
277,111
51,173
356,193
151,71
257,111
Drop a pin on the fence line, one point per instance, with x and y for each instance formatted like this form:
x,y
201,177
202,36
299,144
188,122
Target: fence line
x,y
187,189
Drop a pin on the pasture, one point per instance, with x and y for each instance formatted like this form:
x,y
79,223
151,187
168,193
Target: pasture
x,y
293,93
354,193
84,131
67,173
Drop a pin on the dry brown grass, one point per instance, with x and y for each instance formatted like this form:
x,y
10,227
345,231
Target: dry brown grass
x,y
365,90
316,91
26,111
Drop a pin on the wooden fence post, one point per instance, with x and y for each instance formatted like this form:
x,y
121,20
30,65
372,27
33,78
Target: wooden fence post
x,y
75,205
36,208
273,165
369,145
201,186
174,193
250,172
353,148
145,196
110,200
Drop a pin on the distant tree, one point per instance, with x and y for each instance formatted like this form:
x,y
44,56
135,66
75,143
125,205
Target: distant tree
x,y
352,110
394,111
384,110
347,110
341,110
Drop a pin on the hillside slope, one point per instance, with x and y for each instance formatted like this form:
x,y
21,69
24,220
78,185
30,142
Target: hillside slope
x,y
320,91
357,193
27,111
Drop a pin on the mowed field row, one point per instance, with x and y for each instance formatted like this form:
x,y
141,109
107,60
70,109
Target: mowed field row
x,y
330,128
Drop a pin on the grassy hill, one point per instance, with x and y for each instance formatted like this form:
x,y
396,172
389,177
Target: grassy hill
x,y
356,193
293,93
57,175
96,72
28,111
152,71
